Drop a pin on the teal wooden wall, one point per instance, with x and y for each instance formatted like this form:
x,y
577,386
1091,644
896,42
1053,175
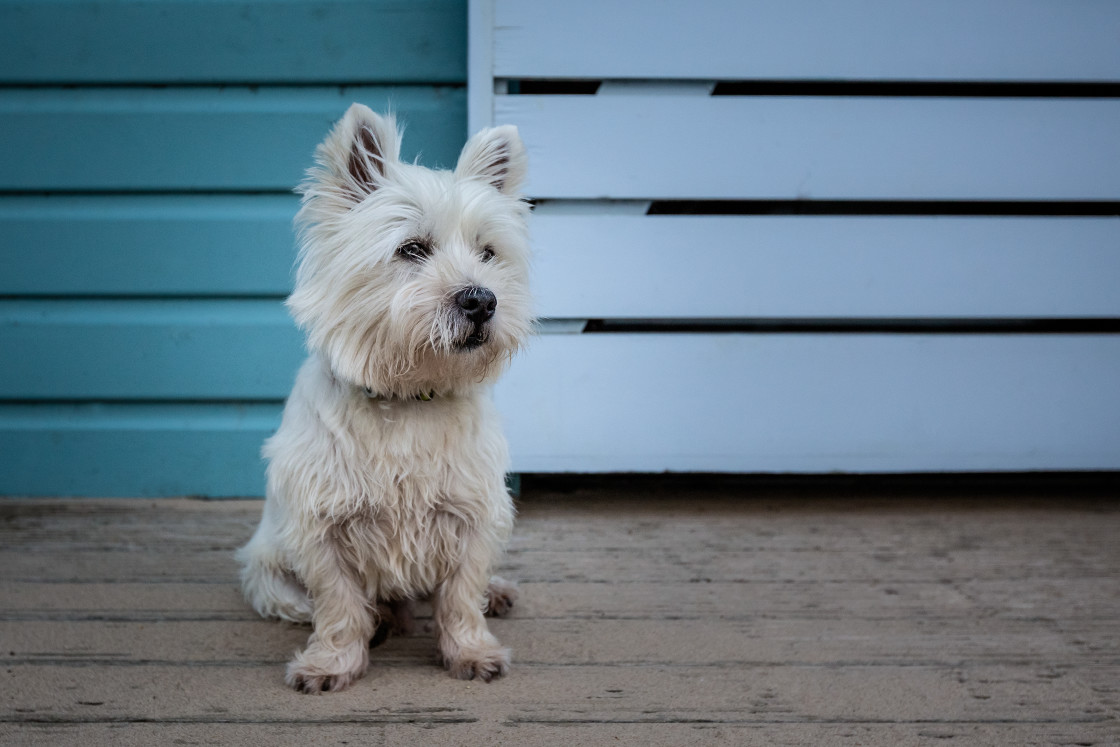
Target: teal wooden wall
x,y
148,152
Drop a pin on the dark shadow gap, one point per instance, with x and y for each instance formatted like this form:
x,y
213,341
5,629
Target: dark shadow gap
x,y
855,326
847,88
885,207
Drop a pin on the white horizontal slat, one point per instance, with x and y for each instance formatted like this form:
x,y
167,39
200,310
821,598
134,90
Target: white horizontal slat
x,y
620,266
987,40
814,403
729,147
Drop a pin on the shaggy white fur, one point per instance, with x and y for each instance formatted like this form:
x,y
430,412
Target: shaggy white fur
x,y
386,477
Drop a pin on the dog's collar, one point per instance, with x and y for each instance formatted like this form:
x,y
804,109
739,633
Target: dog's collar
x,y
377,396
422,396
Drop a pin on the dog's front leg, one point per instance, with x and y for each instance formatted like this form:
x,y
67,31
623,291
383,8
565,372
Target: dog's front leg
x,y
337,652
468,648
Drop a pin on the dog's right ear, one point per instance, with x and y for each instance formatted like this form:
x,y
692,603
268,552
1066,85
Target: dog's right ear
x,y
357,154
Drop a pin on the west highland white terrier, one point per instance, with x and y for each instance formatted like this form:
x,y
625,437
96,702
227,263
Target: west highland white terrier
x,y
386,478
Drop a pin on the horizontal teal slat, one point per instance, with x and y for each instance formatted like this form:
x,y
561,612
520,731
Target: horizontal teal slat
x,y
237,41
147,350
201,139
147,245
134,449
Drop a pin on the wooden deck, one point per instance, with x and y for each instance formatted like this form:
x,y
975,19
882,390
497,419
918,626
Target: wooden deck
x,y
649,615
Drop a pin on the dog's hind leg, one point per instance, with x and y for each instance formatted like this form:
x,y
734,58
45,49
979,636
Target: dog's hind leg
x,y
500,596
269,586
397,617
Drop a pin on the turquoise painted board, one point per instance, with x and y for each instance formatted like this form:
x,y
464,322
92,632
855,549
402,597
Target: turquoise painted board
x,y
236,41
149,153
101,449
148,350
147,245
201,139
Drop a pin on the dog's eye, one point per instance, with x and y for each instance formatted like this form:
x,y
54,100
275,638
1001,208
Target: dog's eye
x,y
414,250
487,253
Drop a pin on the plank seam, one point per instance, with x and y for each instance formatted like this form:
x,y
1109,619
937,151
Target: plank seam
x,y
939,326
562,86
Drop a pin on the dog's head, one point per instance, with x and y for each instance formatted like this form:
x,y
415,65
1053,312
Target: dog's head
x,y
412,280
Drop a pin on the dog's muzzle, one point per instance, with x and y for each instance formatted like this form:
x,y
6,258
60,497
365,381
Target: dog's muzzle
x,y
478,306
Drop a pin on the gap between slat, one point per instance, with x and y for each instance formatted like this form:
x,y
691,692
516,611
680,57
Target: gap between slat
x,y
856,326
846,88
1004,208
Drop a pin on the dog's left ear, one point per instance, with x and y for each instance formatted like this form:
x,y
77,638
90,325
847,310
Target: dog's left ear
x,y
497,156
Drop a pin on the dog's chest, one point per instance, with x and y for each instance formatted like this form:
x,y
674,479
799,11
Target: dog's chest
x,y
405,549
428,447
432,486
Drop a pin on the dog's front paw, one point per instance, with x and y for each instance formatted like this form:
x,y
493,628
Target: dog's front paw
x,y
484,665
500,596
311,683
321,670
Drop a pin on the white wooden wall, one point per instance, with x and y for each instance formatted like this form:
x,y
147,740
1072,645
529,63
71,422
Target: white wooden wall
x,y
861,236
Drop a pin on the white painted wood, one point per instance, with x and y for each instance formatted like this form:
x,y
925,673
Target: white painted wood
x,y
480,65
619,266
814,403
985,40
633,147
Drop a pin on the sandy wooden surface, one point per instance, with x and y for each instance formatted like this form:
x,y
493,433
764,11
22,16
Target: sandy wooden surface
x,y
647,617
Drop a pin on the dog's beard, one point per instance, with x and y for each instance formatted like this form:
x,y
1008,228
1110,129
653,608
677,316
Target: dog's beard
x,y
455,333
442,355
477,337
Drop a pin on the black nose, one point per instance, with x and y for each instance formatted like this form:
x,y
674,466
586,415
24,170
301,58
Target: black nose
x,y
477,303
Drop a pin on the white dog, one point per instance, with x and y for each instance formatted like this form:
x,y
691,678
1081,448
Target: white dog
x,y
386,477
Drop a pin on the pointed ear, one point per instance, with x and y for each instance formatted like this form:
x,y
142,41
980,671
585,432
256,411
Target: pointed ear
x,y
357,154
497,156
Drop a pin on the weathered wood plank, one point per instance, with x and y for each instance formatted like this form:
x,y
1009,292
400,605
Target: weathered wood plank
x,y
717,517
1002,633
755,641
725,563
442,729
638,694
1077,600
741,567
247,41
